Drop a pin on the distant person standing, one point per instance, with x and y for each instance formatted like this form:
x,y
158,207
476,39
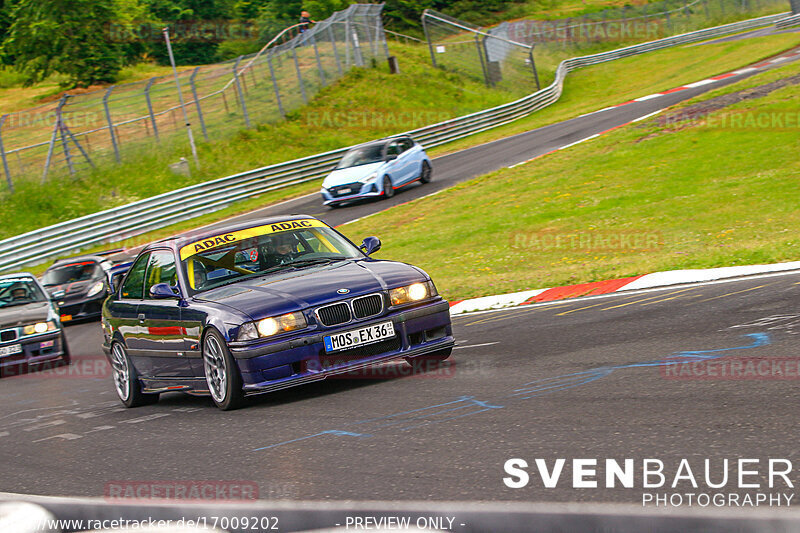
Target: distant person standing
x,y
305,20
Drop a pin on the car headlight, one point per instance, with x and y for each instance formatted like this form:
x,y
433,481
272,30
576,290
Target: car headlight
x,y
412,293
371,177
39,327
268,327
96,288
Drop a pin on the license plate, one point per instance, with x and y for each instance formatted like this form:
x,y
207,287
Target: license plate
x,y
66,318
345,191
359,337
10,350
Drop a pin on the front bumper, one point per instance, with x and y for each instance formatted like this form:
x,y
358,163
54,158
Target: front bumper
x,y
302,359
81,309
35,349
369,190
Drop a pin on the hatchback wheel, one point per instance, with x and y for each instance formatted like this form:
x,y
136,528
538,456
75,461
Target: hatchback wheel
x,y
426,173
388,190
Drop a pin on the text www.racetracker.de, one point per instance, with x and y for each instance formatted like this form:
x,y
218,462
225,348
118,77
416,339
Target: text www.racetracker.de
x,y
253,523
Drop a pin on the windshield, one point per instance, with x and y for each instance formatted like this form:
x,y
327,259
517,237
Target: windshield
x,y
362,156
70,273
258,251
19,291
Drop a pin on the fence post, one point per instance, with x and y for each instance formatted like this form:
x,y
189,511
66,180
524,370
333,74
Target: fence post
x,y
533,65
150,106
52,143
480,56
3,152
319,63
335,49
428,37
299,74
64,143
275,84
347,42
110,123
239,90
197,103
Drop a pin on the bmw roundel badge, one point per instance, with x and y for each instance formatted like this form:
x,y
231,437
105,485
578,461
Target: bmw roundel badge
x,y
343,291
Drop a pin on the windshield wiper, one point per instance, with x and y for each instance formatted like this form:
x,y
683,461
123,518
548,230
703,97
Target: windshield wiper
x,y
315,261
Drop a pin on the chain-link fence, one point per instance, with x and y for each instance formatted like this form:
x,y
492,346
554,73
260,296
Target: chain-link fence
x,y
122,121
506,53
490,56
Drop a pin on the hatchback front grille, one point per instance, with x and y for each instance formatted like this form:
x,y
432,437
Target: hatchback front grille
x,y
345,190
8,335
368,305
334,314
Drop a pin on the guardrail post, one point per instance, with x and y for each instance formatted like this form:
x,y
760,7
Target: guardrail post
x,y
3,152
150,106
197,102
335,49
428,37
110,123
239,90
275,84
299,74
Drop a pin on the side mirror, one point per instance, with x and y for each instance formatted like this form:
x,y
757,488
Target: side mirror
x,y
391,157
371,245
163,291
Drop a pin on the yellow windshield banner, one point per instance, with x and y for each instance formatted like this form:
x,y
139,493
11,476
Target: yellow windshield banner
x,y
225,239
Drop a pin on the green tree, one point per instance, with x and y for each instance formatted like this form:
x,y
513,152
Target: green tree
x,y
65,36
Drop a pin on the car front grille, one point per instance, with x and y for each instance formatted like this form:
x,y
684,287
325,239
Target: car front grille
x,y
334,314
345,190
368,305
8,335
361,352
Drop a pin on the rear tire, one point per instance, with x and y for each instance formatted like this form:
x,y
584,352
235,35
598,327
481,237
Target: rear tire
x,y
222,373
426,173
126,379
388,190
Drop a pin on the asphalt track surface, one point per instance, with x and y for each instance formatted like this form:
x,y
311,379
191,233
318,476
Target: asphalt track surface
x,y
581,378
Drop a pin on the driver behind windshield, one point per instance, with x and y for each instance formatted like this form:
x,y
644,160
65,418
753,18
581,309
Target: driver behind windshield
x,y
282,249
20,293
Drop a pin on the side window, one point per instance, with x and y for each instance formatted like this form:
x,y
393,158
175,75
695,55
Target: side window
x,y
393,149
160,270
408,144
134,283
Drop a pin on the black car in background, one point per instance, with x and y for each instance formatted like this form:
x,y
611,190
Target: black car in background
x,y
79,285
30,329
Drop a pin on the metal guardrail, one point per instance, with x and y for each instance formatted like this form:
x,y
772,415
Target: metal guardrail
x,y
183,204
788,22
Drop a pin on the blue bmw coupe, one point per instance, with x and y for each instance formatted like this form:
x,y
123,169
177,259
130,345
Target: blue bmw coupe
x,y
264,306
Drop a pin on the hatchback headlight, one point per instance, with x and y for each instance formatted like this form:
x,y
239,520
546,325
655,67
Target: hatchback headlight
x,y
412,293
268,327
39,327
95,289
369,178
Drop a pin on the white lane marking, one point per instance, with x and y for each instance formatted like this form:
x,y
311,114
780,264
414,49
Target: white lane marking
x,y
648,97
631,292
144,418
778,59
648,115
744,70
475,345
582,140
4,433
699,83
63,436
45,425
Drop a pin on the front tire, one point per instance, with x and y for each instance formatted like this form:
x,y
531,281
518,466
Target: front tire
x,y
388,190
426,172
126,379
222,374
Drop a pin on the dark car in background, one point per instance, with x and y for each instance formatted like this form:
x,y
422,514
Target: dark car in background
x,y
30,329
263,306
79,285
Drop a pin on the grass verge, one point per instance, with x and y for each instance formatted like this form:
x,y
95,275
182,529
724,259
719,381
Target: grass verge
x,y
698,194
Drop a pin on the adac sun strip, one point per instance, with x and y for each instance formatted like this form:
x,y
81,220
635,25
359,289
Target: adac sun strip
x,y
225,239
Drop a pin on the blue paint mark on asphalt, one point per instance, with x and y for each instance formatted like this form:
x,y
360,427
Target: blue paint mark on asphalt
x,y
541,387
